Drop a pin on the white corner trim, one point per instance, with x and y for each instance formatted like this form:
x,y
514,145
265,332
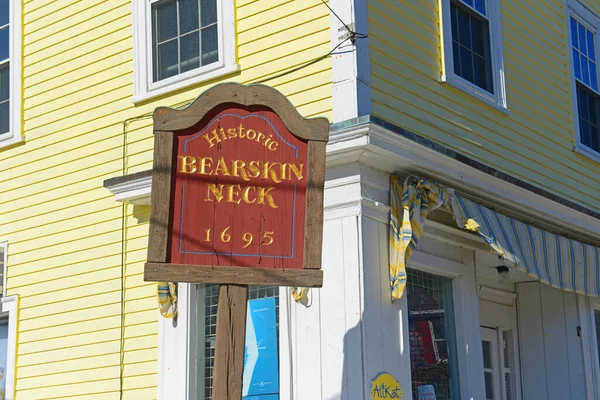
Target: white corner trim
x,y
4,260
144,88
136,191
10,306
16,132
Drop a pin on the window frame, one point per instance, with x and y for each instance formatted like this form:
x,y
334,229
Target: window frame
x,y
8,310
175,343
592,23
14,134
498,98
466,320
144,87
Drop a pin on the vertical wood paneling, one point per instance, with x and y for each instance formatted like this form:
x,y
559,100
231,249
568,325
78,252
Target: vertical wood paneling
x,y
577,377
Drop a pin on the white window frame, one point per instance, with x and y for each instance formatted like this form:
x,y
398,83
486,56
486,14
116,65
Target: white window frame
x,y
14,135
8,309
498,98
175,343
591,360
466,320
144,87
591,22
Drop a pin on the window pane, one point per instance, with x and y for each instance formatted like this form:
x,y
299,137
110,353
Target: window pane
x,y
208,11
4,82
585,72
574,36
487,354
480,6
4,117
188,16
489,385
464,28
4,43
4,12
576,64
210,46
588,104
166,64
190,51
466,64
593,76
166,21
507,386
432,334
582,45
591,52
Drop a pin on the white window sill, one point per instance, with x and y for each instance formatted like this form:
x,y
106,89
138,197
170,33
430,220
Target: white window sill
x,y
586,151
474,91
10,141
185,83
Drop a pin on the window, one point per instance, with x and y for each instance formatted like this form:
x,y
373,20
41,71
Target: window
x,y
8,333
10,79
433,351
187,345
586,97
472,48
179,43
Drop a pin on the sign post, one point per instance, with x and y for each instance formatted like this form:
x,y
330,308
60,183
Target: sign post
x,y
237,199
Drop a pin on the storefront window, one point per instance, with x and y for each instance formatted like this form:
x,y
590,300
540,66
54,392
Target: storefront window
x,y
261,362
434,368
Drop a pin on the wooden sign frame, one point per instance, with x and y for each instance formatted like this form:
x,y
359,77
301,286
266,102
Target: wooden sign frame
x,y
167,122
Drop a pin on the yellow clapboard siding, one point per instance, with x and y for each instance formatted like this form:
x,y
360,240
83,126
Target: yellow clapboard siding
x,y
536,61
65,228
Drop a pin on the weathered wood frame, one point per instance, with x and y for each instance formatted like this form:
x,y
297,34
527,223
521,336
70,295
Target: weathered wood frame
x,y
167,122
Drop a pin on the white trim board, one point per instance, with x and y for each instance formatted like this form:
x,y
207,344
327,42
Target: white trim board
x,y
380,148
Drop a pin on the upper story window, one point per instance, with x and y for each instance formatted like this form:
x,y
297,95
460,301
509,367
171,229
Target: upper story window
x,y
10,77
586,97
180,43
473,50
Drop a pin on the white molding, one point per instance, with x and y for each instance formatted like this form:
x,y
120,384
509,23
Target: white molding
x,y
498,98
375,146
4,255
15,135
144,88
497,295
10,306
135,191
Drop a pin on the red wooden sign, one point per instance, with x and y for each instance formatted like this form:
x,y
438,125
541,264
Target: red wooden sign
x,y
237,191
240,192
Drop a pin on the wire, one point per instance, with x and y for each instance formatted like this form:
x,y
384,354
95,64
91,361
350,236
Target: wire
x,y
352,33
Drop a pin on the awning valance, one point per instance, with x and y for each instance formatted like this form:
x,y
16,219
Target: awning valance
x,y
553,259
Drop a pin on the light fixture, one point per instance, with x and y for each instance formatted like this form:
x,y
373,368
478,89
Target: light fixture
x,y
503,274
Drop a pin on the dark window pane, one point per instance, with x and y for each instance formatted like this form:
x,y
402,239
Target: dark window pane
x,y
590,45
481,77
4,82
576,64
166,21
469,2
574,33
4,43
466,63
487,354
583,105
190,51
210,47
454,18
464,28
585,72
456,56
432,334
489,385
582,46
188,16
480,6
593,76
480,37
4,117
208,12
4,12
166,64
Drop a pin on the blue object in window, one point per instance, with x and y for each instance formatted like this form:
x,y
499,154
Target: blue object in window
x,y
261,360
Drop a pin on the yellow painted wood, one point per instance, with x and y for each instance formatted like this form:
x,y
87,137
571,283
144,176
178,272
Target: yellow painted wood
x,y
64,228
406,90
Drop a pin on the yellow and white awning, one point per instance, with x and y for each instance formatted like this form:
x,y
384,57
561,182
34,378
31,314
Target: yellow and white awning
x,y
553,259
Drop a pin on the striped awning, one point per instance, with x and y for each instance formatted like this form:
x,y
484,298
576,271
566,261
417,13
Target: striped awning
x,y
553,259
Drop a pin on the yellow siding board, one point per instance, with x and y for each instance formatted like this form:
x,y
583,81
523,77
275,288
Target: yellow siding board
x,y
260,8
79,22
538,24
288,9
401,52
412,18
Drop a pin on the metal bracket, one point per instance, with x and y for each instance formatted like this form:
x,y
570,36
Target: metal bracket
x,y
346,31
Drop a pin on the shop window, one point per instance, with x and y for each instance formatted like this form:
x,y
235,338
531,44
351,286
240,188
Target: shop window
x,y
10,80
261,374
433,352
181,42
583,28
472,48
